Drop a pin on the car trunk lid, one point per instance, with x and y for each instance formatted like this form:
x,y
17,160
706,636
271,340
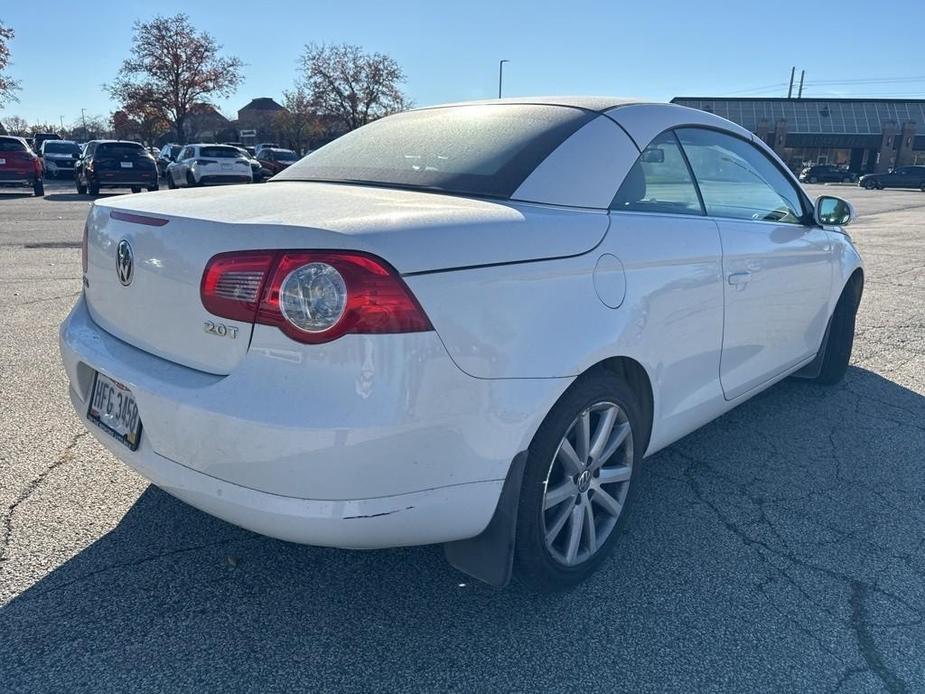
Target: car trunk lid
x,y
173,234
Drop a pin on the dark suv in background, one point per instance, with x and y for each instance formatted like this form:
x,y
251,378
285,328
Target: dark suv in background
x,y
902,177
826,173
115,164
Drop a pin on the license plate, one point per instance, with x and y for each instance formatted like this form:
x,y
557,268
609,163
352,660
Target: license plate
x,y
226,166
126,164
2,161
113,409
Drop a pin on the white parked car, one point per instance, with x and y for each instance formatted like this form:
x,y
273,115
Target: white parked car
x,y
462,325
198,165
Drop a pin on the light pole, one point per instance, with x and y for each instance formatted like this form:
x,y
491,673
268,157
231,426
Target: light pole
x,y
501,74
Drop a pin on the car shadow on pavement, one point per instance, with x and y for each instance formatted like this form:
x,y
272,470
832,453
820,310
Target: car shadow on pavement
x,y
778,548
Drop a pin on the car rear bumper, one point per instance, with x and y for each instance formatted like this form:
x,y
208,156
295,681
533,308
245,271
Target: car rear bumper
x,y
17,178
118,179
352,444
224,178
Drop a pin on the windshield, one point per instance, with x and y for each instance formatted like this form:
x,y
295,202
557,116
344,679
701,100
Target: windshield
x,y
117,149
285,155
219,152
61,148
476,149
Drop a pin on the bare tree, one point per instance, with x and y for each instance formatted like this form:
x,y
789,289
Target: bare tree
x,y
16,125
89,127
8,85
350,85
171,68
299,122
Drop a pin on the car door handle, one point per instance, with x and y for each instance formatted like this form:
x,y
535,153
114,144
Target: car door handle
x,y
739,279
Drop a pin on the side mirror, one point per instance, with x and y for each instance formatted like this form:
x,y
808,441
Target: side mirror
x,y
653,155
834,212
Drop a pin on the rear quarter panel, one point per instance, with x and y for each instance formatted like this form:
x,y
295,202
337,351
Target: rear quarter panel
x,y
545,319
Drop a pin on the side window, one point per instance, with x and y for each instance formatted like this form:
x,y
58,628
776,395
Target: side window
x,y
737,180
185,154
659,181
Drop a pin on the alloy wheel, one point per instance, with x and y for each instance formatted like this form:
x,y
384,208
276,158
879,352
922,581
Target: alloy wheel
x,y
587,483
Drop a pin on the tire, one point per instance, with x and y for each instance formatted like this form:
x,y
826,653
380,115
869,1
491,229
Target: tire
x,y
135,189
869,185
546,566
171,185
191,180
38,189
813,179
92,187
156,186
840,341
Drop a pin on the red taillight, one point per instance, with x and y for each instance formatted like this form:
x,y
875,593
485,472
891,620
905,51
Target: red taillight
x,y
232,283
37,164
377,300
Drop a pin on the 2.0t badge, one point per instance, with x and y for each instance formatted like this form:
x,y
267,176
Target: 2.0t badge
x,y
125,263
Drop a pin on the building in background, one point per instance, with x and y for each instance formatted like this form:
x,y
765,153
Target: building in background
x,y
863,135
259,116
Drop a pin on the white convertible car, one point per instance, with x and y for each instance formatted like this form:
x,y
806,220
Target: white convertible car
x,y
465,324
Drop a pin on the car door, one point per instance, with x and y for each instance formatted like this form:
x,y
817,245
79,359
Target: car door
x,y
899,178
777,263
671,257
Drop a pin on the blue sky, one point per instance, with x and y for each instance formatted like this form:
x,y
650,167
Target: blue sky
x,y
66,50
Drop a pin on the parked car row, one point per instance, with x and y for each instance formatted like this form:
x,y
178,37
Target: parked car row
x,y
265,160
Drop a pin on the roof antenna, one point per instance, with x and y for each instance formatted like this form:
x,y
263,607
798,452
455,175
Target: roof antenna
x,y
800,91
793,72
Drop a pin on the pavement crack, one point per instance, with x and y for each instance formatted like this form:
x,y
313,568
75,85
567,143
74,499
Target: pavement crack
x,y
140,562
867,645
30,489
48,298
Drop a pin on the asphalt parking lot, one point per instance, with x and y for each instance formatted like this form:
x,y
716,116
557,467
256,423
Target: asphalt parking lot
x,y
780,548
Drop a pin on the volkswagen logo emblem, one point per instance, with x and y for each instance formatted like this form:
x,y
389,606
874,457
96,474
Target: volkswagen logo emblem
x,y
125,263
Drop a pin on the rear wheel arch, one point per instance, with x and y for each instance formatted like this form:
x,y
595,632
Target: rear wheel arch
x,y
490,555
636,376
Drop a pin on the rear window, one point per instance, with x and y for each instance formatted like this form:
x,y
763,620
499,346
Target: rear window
x,y
219,152
284,154
61,148
117,149
475,149
9,144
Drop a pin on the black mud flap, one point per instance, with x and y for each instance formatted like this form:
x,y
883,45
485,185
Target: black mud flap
x,y
814,368
489,557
